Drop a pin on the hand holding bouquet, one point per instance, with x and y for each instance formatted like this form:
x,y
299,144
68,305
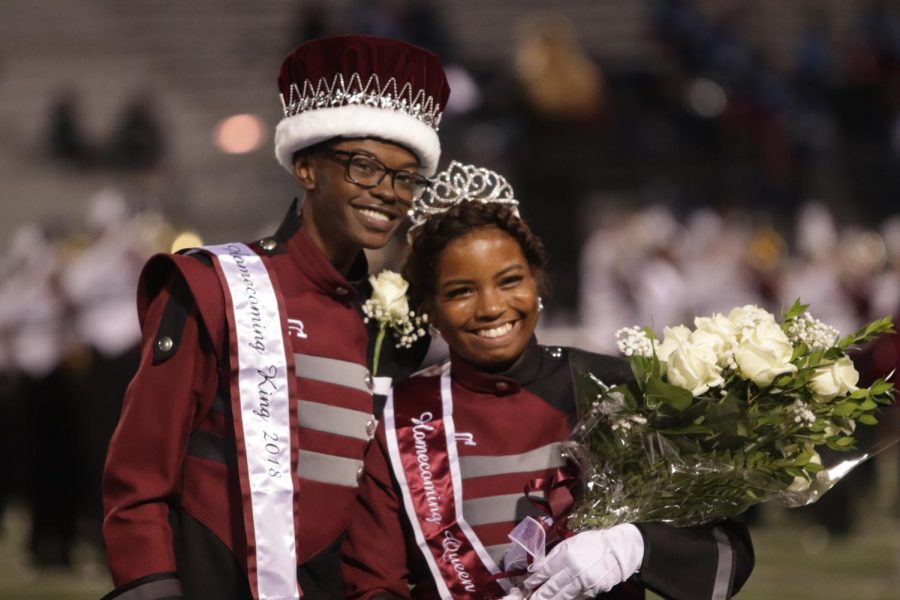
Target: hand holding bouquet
x,y
721,417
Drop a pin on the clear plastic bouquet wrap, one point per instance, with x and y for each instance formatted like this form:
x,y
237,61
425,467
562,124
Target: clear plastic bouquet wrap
x,y
723,416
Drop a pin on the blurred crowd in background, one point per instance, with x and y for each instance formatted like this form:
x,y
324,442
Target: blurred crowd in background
x,y
712,176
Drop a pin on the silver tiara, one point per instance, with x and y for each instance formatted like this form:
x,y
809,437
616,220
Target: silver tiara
x,y
461,183
418,104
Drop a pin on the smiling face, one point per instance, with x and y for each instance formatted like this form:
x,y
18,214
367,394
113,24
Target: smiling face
x,y
341,217
485,300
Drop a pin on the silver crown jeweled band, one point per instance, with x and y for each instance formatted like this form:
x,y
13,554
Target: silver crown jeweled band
x,y
461,183
416,104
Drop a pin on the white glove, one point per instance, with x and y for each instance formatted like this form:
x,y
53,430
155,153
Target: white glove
x,y
587,564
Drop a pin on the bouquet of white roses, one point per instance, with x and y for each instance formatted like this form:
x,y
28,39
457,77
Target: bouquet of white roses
x,y
721,417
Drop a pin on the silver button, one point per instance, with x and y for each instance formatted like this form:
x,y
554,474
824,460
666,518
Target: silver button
x,y
341,291
370,381
165,343
359,474
268,244
502,386
371,424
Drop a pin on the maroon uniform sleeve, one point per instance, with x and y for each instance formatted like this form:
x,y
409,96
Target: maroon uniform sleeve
x,y
375,552
144,461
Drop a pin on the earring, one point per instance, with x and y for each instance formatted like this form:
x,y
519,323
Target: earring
x,y
540,304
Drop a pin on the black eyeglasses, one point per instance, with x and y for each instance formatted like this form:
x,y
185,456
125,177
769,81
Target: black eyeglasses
x,y
368,172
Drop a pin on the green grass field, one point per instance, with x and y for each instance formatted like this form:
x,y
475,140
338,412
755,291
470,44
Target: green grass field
x,y
794,560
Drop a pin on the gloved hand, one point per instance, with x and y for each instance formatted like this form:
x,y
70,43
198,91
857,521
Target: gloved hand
x,y
587,564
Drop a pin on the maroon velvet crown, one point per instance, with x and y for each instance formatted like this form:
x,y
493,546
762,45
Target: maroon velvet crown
x,y
361,86
364,56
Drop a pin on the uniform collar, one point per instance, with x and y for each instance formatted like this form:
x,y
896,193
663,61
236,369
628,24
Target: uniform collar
x,y
309,259
510,381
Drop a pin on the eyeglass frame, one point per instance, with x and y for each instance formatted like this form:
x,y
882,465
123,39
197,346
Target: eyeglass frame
x,y
347,162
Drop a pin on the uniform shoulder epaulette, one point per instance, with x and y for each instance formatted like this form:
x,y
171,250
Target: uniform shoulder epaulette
x,y
194,283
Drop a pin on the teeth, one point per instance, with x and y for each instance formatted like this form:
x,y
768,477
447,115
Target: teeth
x,y
496,331
374,214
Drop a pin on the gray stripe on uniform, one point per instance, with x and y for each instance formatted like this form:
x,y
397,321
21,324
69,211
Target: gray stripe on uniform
x,y
498,509
327,468
546,457
332,370
722,585
155,590
334,419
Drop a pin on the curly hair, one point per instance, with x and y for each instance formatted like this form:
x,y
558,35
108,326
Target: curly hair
x,y
464,218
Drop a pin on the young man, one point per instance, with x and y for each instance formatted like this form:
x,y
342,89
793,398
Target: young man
x,y
234,464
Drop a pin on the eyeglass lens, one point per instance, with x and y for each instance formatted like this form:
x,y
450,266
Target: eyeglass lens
x,y
369,172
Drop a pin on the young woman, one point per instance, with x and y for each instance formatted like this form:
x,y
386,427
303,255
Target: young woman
x,y
443,482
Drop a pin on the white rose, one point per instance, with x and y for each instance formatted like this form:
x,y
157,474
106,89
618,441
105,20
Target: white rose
x,y
717,332
673,338
389,291
837,379
799,484
693,367
764,353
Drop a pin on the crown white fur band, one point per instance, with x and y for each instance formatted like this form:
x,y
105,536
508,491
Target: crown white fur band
x,y
356,121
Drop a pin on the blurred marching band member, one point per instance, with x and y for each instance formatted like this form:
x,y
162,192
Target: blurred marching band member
x,y
34,321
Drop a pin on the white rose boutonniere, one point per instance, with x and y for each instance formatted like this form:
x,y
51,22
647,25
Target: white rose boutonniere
x,y
390,308
389,292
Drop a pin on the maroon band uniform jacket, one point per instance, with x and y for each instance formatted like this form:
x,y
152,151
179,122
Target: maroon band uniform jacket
x,y
172,503
508,429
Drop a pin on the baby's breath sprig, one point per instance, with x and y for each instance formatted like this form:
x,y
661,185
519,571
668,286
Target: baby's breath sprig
x,y
812,332
634,341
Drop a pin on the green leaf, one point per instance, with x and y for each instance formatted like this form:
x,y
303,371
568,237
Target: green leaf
x,y
815,358
660,392
846,341
802,459
880,387
687,429
796,309
813,467
793,471
832,354
867,420
640,366
867,404
883,325
845,409
844,442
